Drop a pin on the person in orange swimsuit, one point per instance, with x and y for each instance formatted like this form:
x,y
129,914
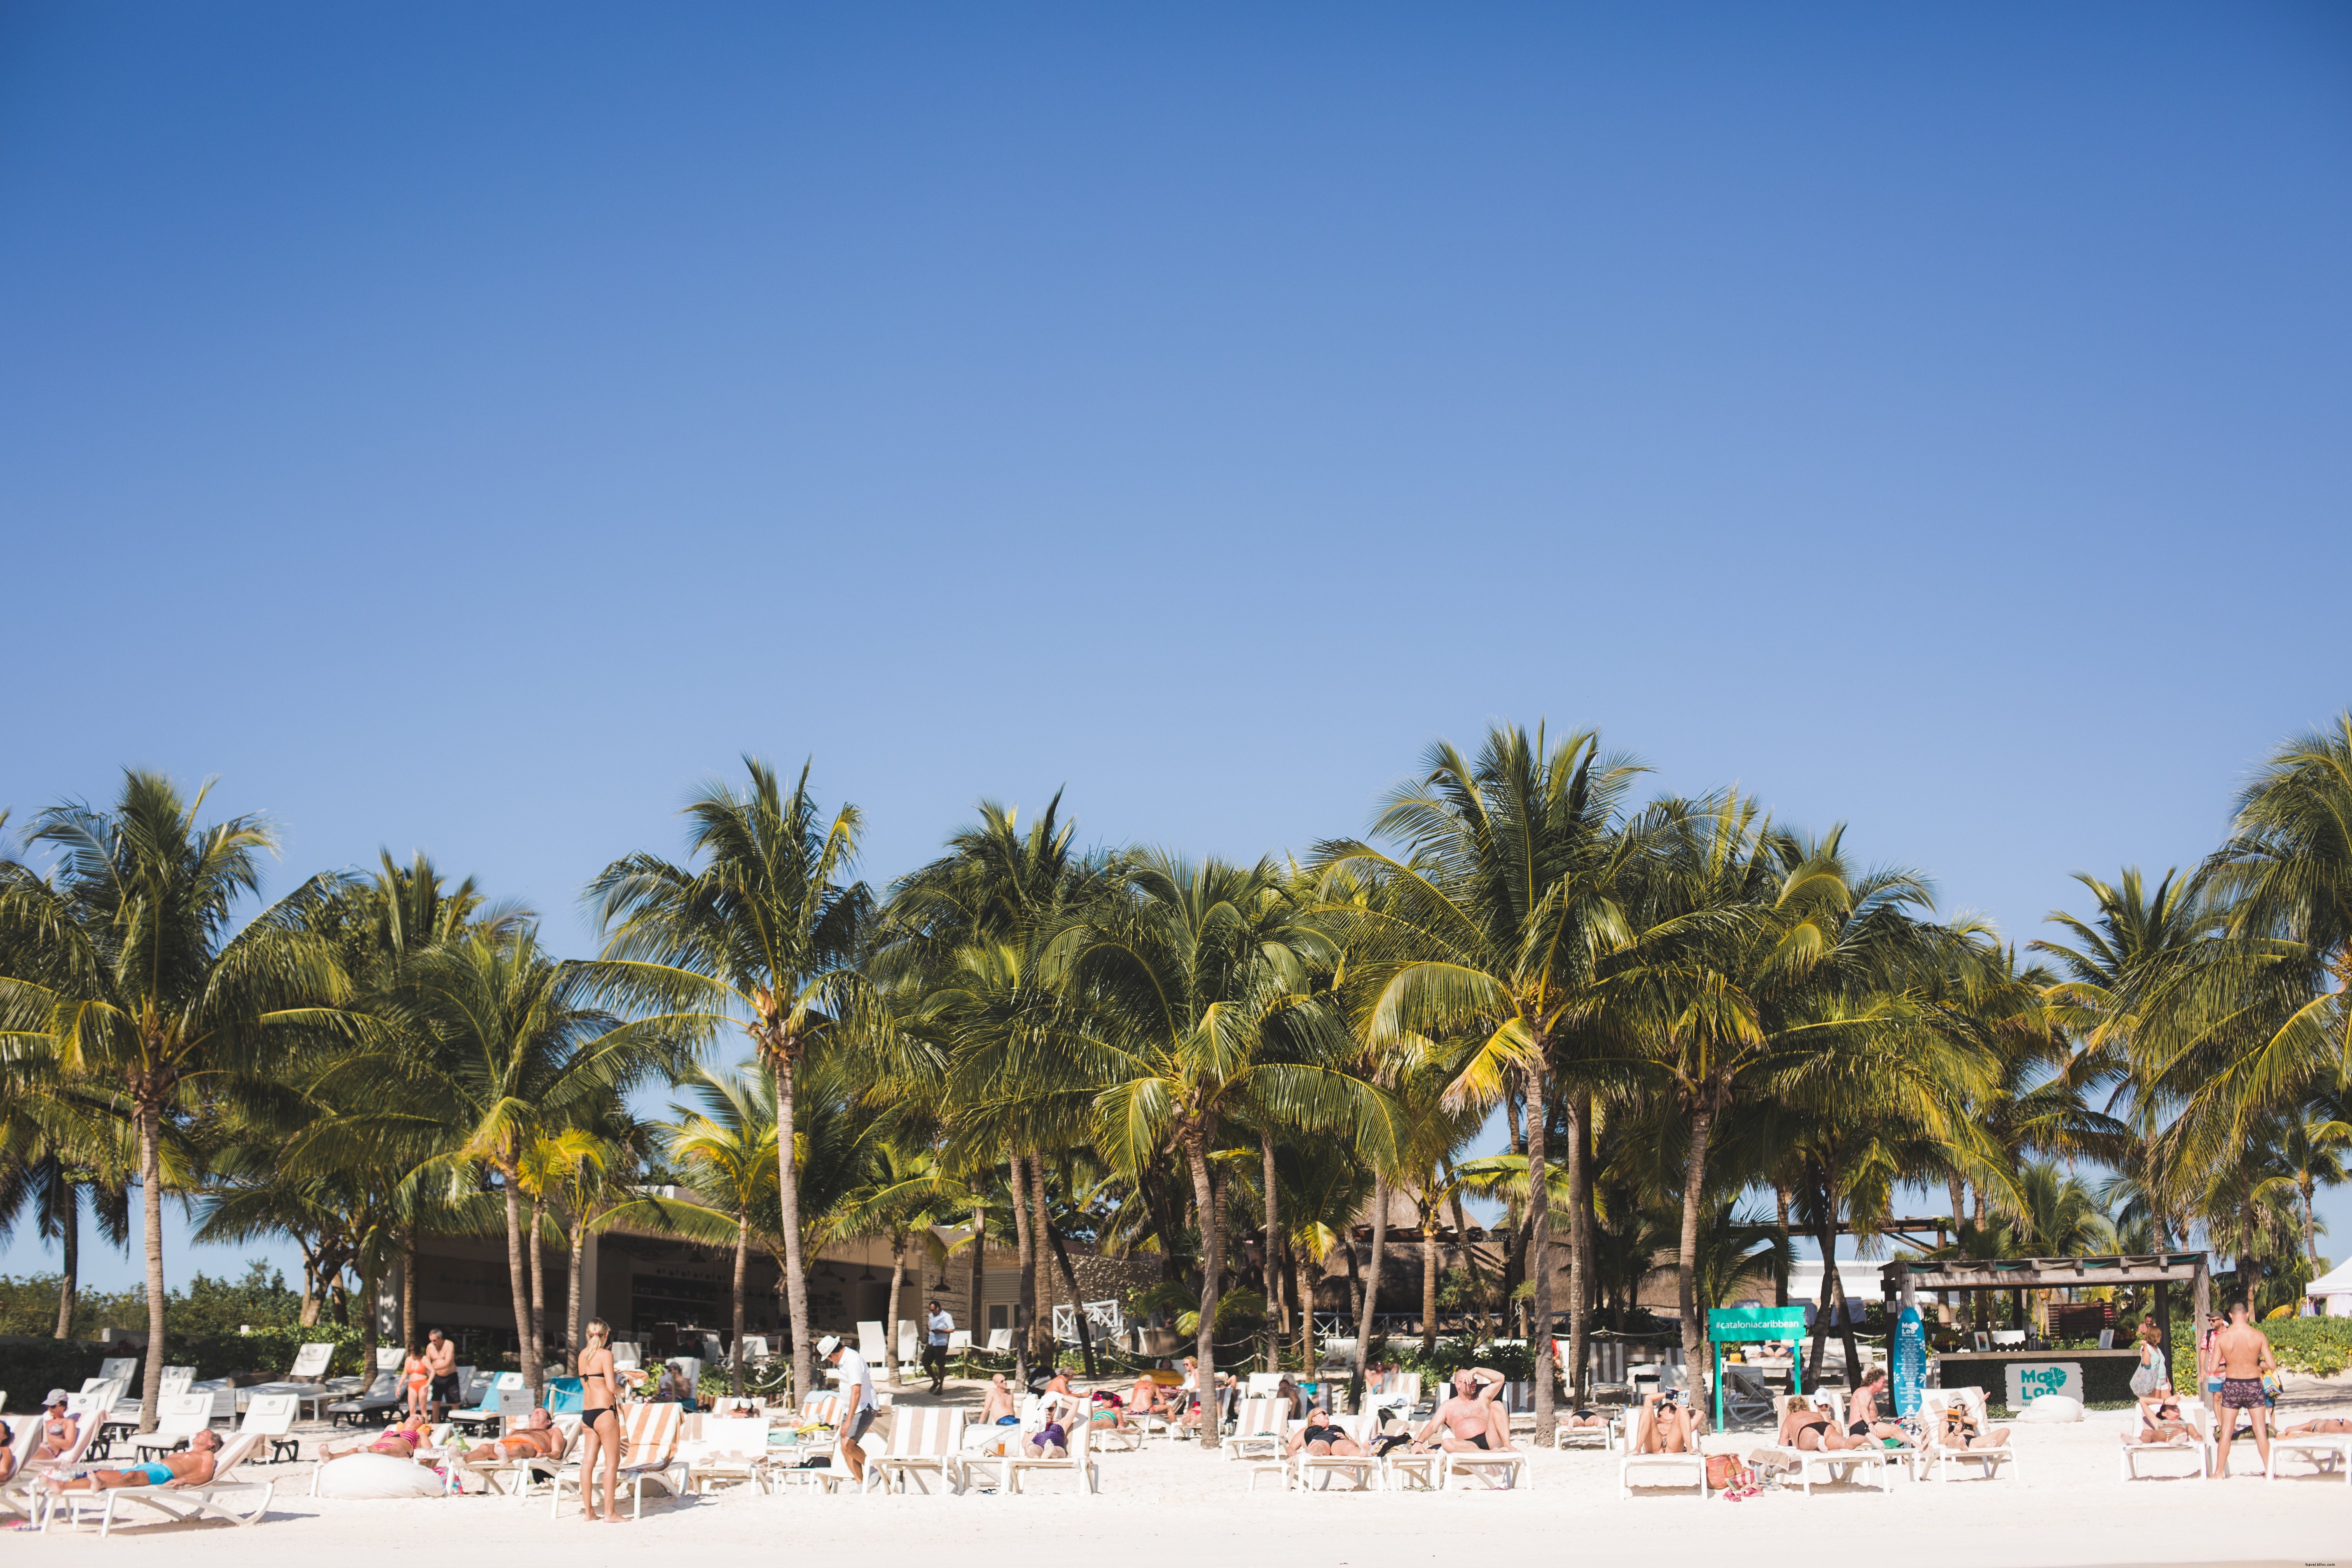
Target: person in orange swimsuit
x,y
419,1379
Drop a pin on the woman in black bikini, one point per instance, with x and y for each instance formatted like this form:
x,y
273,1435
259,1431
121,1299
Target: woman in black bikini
x,y
599,1421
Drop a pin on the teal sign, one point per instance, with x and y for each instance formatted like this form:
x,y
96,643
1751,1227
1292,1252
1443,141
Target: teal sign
x,y
1910,1361
1737,1325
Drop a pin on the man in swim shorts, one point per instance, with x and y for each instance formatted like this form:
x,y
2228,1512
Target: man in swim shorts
x,y
2241,1352
193,1468
1470,1417
441,1361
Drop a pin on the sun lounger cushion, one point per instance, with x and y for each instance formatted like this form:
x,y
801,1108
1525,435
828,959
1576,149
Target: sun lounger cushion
x,y
376,1476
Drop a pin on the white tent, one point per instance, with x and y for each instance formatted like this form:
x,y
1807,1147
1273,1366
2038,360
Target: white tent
x,y
2334,1289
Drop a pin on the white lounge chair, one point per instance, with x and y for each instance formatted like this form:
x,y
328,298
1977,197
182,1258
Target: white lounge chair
x,y
871,1345
1079,1460
178,1417
517,1477
1261,1429
726,1452
2192,1411
270,1416
1362,1469
384,1395
923,1441
1940,1456
649,1450
910,1350
19,1492
1834,1465
1456,1469
1637,1468
2327,1452
177,1504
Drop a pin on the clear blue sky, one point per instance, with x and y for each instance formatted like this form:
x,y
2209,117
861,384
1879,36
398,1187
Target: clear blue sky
x,y
466,428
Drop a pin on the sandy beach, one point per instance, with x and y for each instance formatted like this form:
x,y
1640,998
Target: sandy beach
x,y
1167,1503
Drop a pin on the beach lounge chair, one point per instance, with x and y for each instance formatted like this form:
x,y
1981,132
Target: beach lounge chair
x,y
119,1369
1509,1465
1261,1384
910,1351
2327,1453
1362,1469
1941,1456
1078,1461
1834,1465
726,1452
271,1417
178,1505
497,1400
923,1442
1261,1429
517,1477
19,1492
648,1453
1637,1468
626,1355
821,1410
871,1345
178,1417
384,1396
2193,1411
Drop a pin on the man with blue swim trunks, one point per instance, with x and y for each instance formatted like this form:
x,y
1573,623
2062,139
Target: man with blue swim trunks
x,y
193,1468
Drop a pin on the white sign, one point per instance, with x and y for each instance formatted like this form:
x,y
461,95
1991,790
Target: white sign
x,y
2030,1380
514,1402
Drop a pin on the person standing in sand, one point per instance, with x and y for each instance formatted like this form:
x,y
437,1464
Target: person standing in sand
x,y
441,1363
600,1421
2242,1353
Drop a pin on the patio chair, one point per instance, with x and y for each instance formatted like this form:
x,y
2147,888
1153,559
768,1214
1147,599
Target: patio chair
x,y
176,1380
384,1396
271,1416
178,1417
1636,1469
649,1450
1834,1465
923,1442
910,1351
119,1369
626,1355
310,1364
178,1505
870,1345
1261,1429
2192,1411
1940,1456
2327,1452
101,1407
1362,1469
1079,1460
1261,1384
726,1452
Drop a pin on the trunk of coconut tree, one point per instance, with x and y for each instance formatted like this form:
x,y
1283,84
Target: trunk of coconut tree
x,y
1686,1261
742,1271
1045,1342
1780,1258
517,1280
1303,1287
1471,1268
1024,1253
975,1317
898,1283
1372,1287
409,1291
578,1237
150,1204
1213,1263
1077,1306
2310,1227
69,1221
371,1287
1429,1263
1538,1077
1579,1239
538,1286
788,1193
1273,1329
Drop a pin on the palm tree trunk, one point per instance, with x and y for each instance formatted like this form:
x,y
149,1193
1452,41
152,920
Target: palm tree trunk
x,y
408,1291
1047,1345
538,1284
742,1270
369,1290
1579,1239
1687,1260
1781,1257
788,1194
2310,1229
898,1283
1213,1263
1078,1307
1538,1077
579,1238
1372,1285
151,1205
1304,1289
1024,1253
1274,1330
975,1319
518,1281
68,1222
1429,1261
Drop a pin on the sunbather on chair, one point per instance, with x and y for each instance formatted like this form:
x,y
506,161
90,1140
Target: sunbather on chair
x,y
2324,1427
193,1468
1862,1411
1584,1416
1143,1399
1471,1416
7,1452
536,1438
400,1442
1666,1425
2161,1421
1960,1431
1052,1443
1323,1437
1803,1426
60,1432
998,1408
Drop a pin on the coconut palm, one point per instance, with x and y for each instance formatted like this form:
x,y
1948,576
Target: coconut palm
x,y
724,1140
763,930
1492,926
127,967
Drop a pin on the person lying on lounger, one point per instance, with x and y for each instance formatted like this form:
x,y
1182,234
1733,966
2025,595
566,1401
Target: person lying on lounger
x,y
2324,1427
2161,1420
1960,1430
7,1452
1584,1416
1862,1419
1471,1416
1143,1398
1666,1425
1322,1436
399,1442
1053,1442
193,1468
536,1438
1803,1425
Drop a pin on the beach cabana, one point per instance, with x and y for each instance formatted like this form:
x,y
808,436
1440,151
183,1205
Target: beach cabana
x,y
2333,1290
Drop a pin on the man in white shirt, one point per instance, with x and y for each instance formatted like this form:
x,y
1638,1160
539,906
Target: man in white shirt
x,y
937,1326
857,1393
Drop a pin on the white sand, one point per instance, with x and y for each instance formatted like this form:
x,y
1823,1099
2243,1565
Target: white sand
x,y
1167,1503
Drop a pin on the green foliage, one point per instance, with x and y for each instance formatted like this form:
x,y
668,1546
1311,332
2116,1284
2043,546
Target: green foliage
x,y
29,1305
1514,1361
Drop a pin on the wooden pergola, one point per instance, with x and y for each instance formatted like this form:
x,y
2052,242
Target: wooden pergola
x,y
1902,1281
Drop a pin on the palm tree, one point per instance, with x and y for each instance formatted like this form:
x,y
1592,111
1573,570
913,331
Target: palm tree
x,y
764,932
125,967
1500,914
724,1140
1205,1012
2311,1145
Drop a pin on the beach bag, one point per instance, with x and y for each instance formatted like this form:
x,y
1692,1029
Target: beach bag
x,y
1720,1468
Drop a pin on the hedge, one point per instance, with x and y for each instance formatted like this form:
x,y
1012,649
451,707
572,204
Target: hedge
x,y
30,1368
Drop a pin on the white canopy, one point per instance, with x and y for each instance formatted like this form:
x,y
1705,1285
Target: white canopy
x,y
2336,1281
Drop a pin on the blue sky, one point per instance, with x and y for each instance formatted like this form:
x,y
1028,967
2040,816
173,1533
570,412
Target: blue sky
x,y
465,429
